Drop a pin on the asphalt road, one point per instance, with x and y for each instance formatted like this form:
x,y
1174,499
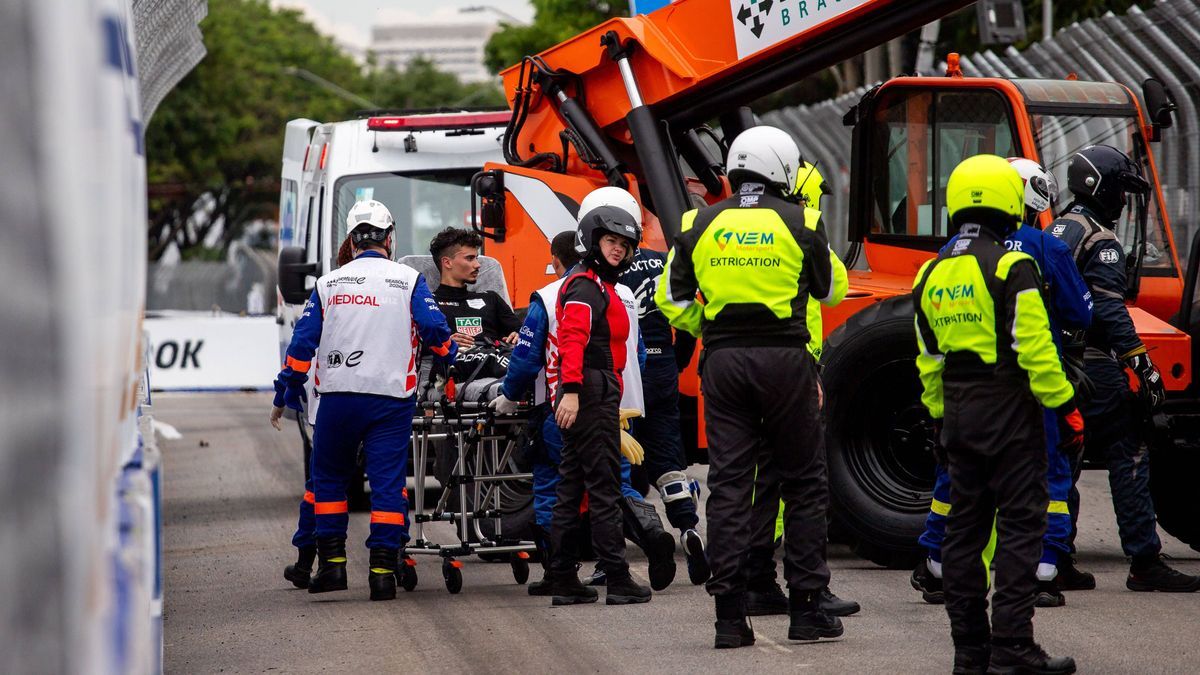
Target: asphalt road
x,y
231,484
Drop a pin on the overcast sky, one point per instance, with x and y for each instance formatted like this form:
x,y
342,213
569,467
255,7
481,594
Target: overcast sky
x,y
350,21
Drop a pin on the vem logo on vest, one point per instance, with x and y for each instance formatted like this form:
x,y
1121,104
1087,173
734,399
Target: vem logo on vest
x,y
723,237
938,294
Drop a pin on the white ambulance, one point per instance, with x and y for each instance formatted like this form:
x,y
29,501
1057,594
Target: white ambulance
x,y
419,164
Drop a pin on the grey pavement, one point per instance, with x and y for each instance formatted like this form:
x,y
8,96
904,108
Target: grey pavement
x,y
230,490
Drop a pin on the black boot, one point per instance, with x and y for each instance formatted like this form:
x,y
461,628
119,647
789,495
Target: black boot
x,y
299,572
382,579
623,590
331,571
766,600
1026,657
930,586
697,559
971,659
1150,573
809,621
835,606
1049,595
733,630
644,528
543,587
1071,578
566,590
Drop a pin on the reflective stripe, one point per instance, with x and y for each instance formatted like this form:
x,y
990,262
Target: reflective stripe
x,y
382,570
442,350
404,492
940,508
387,517
340,559
1058,507
327,508
297,365
310,498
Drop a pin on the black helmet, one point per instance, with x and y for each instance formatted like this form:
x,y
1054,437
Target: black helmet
x,y
1100,175
594,224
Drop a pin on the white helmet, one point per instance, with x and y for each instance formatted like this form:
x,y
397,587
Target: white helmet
x,y
1041,189
611,196
768,152
369,212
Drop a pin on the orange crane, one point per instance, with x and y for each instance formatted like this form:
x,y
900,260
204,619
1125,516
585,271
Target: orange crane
x,y
627,103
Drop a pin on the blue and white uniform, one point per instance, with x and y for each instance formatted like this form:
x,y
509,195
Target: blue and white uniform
x,y
367,320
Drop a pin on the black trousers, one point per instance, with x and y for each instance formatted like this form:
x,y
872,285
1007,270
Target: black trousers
x,y
760,405
995,445
591,464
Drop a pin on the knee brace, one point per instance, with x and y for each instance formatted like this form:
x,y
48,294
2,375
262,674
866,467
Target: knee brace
x,y
673,486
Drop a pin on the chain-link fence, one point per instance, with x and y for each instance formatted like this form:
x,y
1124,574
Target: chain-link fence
x,y
1161,42
243,283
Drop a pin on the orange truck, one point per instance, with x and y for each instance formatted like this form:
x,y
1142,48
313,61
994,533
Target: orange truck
x,y
628,103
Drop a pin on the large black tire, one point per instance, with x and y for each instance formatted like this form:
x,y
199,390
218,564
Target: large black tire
x,y
879,435
1173,474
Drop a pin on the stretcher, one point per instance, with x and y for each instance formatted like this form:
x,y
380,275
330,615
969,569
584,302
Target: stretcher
x,y
482,447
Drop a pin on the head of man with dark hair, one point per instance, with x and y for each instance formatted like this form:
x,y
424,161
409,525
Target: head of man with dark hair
x,y
456,253
562,252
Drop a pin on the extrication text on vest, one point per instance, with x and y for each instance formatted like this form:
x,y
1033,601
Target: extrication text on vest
x,y
959,317
744,262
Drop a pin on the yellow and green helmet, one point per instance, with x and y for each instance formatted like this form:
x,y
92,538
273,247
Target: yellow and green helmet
x,y
986,181
810,185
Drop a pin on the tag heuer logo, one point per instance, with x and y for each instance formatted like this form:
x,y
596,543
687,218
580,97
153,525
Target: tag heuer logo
x,y
469,325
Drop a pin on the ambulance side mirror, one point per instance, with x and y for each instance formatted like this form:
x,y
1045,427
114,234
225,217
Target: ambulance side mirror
x,y
293,275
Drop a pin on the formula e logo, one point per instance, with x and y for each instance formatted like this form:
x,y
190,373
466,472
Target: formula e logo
x,y
723,237
939,294
336,360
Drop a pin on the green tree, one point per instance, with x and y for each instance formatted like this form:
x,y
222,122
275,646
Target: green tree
x,y
553,22
214,146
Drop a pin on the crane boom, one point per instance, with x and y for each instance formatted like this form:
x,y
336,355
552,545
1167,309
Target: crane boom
x,y
609,90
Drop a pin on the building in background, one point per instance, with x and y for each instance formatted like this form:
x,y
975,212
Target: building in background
x,y
455,48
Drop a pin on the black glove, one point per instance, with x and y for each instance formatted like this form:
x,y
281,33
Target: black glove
x,y
1152,390
1070,431
1085,389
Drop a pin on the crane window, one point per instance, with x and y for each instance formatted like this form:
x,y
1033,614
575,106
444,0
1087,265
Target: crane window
x,y
919,137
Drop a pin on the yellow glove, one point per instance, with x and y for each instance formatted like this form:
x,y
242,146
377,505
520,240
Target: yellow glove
x,y
628,414
631,449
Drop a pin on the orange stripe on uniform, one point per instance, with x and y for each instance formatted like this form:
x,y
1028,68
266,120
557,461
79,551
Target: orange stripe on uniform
x,y
327,508
310,498
443,350
297,365
404,492
387,517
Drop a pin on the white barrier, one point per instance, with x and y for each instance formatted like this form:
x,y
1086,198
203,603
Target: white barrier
x,y
212,352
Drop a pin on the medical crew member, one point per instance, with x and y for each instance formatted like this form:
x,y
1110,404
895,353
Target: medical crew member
x,y
754,262
986,359
1069,303
659,431
1099,177
366,320
533,365
763,595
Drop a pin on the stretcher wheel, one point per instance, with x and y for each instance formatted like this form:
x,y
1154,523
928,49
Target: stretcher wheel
x,y
408,574
453,575
520,568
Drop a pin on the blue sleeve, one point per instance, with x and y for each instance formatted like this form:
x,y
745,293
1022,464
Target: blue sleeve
x,y
306,335
528,355
641,351
431,323
947,245
1069,295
